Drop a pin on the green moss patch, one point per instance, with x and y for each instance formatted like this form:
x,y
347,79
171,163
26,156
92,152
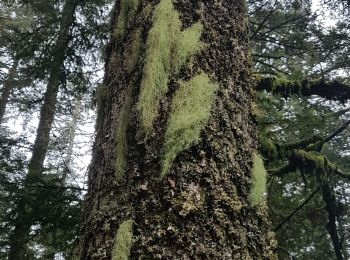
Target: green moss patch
x,y
126,13
132,53
188,44
166,51
258,180
120,138
189,113
122,241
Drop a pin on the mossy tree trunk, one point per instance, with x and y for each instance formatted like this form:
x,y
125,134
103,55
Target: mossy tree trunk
x,y
25,208
171,174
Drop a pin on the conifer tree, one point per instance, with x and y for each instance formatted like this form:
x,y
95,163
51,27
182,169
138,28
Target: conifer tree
x,y
171,175
25,206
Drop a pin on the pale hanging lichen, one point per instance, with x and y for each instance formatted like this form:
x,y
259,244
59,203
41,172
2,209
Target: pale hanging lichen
x,y
187,45
166,51
122,241
132,53
127,11
120,138
190,111
259,175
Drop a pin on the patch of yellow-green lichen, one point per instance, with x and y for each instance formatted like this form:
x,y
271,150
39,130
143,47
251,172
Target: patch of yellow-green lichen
x,y
187,45
190,111
133,52
166,51
122,241
146,12
120,138
258,180
126,13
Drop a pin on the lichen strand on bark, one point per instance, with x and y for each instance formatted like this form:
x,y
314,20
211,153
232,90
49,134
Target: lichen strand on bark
x,y
122,241
107,200
258,180
190,111
127,10
167,49
200,209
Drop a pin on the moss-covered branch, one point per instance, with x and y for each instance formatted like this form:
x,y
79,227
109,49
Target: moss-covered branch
x,y
313,143
309,162
332,90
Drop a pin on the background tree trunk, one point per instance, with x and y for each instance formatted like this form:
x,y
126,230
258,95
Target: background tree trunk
x,y
200,209
7,89
26,205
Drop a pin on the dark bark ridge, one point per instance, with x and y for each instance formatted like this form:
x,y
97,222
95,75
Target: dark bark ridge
x,y
200,209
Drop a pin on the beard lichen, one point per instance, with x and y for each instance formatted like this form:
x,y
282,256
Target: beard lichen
x,y
187,45
258,181
133,52
127,11
120,138
167,49
122,241
190,111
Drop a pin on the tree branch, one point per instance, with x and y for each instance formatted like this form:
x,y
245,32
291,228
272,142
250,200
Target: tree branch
x,y
332,90
297,209
45,186
331,207
336,132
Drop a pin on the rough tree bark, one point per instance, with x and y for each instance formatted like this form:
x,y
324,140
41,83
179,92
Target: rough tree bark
x,y
140,203
26,206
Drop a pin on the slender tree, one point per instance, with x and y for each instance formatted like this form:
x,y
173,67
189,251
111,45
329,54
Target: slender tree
x,y
7,88
25,207
171,174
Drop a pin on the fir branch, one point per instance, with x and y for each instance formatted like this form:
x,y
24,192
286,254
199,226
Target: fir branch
x,y
296,210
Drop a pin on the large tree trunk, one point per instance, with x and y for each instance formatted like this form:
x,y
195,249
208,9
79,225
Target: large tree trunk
x,y
141,203
26,206
7,89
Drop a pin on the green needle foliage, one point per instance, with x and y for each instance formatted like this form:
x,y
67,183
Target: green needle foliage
x,y
189,113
